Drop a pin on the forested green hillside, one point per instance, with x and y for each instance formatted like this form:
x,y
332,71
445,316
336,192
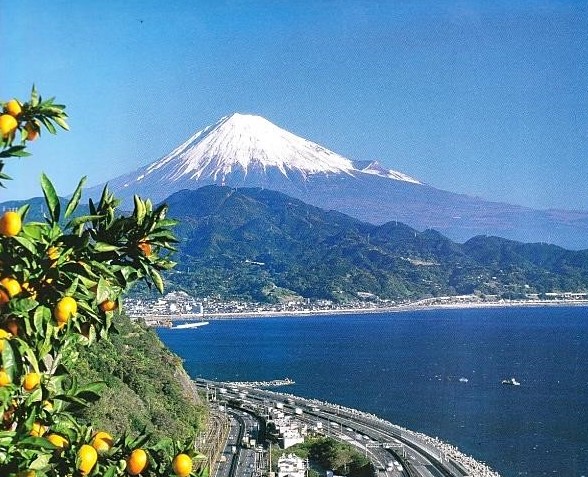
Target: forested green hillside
x,y
147,386
261,245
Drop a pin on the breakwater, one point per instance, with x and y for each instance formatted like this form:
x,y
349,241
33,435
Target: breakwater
x,y
275,383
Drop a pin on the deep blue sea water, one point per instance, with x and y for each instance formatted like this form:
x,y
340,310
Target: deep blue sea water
x,y
405,367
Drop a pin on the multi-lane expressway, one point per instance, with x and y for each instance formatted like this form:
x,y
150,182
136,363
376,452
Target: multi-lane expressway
x,y
238,458
393,451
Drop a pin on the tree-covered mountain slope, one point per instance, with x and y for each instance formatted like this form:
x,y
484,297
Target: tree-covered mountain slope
x,y
262,245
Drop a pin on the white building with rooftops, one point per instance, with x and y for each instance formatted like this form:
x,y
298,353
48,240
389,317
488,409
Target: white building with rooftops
x,y
291,466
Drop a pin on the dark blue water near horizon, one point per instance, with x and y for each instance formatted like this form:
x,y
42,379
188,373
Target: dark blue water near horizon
x,y
406,368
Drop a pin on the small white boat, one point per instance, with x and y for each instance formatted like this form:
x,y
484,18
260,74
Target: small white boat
x,y
463,380
511,382
189,325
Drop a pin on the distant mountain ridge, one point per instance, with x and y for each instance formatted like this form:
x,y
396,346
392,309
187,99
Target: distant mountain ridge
x,y
259,244
264,245
248,151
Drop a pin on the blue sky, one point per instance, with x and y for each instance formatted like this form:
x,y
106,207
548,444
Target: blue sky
x,y
483,98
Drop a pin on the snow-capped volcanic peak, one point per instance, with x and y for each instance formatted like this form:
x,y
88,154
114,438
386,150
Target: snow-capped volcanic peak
x,y
246,142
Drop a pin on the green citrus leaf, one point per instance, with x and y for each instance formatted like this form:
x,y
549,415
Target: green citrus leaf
x,y
26,243
61,122
34,97
33,230
9,362
51,198
103,291
75,198
105,247
139,211
157,280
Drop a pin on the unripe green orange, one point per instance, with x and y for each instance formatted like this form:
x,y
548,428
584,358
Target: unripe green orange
x,y
26,473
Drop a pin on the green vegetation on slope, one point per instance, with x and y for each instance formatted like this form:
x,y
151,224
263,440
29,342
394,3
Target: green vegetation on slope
x,y
325,453
147,387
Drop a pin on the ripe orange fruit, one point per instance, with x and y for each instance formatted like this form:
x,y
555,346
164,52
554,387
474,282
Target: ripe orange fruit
x,y
137,462
182,465
53,253
65,309
58,441
31,381
11,285
10,222
32,132
4,378
108,305
145,247
13,107
10,288
12,326
7,125
87,457
102,442
38,429
8,416
4,335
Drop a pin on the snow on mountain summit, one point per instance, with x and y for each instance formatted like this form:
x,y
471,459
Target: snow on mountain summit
x,y
246,151
245,144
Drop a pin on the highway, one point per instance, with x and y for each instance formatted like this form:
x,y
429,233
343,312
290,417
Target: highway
x,y
393,451
240,457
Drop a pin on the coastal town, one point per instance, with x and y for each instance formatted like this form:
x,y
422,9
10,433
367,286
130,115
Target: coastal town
x,y
180,305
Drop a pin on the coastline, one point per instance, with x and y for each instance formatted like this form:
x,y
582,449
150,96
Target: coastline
x,y
371,310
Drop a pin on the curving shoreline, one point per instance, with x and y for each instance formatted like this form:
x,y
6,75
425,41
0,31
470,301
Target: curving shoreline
x,y
474,468
391,309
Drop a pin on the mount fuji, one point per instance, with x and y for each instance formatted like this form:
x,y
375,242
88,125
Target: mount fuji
x,y
249,151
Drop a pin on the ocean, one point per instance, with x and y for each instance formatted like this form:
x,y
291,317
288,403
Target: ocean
x,y
411,369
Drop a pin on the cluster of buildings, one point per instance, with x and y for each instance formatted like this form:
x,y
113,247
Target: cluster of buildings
x,y
291,466
289,431
179,304
221,307
171,304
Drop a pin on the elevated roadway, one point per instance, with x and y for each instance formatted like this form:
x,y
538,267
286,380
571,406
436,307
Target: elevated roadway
x,y
394,451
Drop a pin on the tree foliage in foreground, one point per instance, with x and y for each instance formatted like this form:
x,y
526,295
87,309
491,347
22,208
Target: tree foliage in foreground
x,y
61,281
